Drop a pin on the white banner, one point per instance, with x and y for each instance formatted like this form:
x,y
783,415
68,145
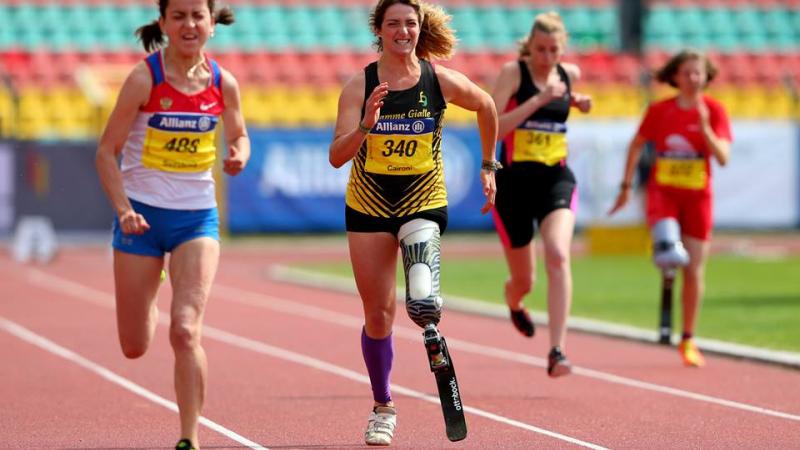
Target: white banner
x,y
760,186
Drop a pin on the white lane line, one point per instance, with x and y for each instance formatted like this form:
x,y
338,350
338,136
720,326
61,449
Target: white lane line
x,y
287,355
286,306
94,296
282,305
46,344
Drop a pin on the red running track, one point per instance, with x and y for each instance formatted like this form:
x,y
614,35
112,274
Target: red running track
x,y
286,372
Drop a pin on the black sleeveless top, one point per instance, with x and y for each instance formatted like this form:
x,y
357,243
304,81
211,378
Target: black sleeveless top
x,y
398,169
541,138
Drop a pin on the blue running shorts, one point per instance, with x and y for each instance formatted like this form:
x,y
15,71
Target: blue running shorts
x,y
169,228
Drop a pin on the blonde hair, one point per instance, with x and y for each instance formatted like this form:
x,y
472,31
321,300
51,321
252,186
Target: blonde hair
x,y
436,38
547,22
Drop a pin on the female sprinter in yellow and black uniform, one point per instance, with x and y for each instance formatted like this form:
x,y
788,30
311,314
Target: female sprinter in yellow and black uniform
x,y
535,185
389,123
397,174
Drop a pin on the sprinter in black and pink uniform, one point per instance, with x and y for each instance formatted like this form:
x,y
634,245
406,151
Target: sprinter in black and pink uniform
x,y
164,126
533,95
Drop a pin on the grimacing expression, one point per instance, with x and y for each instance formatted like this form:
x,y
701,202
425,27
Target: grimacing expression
x,y
188,24
399,31
691,75
546,48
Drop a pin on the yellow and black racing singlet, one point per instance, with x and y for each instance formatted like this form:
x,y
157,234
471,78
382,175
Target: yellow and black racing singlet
x,y
398,169
542,137
180,130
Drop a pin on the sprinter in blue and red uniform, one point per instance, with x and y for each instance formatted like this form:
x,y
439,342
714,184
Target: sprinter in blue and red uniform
x,y
164,126
533,95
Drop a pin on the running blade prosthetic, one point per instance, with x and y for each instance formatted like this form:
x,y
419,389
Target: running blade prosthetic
x,y
449,395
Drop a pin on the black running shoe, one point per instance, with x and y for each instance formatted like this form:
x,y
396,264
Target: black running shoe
x,y
522,322
184,444
557,363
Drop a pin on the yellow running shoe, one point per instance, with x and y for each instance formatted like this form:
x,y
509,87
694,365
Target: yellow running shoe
x,y
690,354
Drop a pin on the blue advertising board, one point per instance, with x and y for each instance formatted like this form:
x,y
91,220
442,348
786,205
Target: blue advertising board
x,y
289,185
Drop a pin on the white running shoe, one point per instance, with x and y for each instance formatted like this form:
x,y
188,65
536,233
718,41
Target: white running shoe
x,y
381,425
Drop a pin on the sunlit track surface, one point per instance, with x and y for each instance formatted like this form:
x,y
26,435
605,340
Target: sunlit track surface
x,y
286,371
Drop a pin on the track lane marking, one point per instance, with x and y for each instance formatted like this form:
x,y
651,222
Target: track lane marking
x,y
287,306
48,345
101,298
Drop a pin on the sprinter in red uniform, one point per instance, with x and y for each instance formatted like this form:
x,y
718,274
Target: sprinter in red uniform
x,y
687,130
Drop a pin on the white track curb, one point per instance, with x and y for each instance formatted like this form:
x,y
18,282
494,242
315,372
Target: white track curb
x,y
472,306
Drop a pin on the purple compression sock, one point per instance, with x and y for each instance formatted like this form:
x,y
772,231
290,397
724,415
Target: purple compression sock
x,y
378,354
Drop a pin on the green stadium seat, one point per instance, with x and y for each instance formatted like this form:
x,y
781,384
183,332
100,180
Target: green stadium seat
x,y
747,20
754,42
718,20
688,20
328,20
521,20
493,22
607,24
777,21
725,42
271,18
658,22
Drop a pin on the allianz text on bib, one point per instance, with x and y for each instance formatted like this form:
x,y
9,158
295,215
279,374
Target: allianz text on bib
x,y
543,142
685,173
180,142
400,147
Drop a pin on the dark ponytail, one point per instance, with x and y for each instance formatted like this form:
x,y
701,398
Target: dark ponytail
x,y
152,37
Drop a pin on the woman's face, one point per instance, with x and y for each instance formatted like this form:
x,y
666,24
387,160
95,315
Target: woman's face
x,y
399,30
546,48
187,24
691,76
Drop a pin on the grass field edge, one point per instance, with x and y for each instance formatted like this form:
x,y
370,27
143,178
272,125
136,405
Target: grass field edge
x,y
309,278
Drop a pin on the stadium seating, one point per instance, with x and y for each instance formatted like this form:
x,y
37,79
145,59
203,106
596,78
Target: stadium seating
x,y
297,54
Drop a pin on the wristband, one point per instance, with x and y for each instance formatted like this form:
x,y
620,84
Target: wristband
x,y
363,129
491,165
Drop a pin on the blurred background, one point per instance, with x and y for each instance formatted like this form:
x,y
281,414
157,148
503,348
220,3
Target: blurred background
x,y
61,64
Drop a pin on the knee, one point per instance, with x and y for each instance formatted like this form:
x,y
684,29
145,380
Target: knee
x,y
379,318
184,334
557,261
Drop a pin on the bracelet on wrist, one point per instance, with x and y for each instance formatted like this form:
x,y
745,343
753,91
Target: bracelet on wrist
x,y
362,128
491,165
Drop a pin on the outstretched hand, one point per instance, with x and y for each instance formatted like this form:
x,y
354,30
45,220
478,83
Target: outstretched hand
x,y
622,199
489,189
372,106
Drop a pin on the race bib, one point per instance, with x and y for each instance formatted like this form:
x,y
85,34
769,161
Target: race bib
x,y
682,173
543,142
400,147
180,142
